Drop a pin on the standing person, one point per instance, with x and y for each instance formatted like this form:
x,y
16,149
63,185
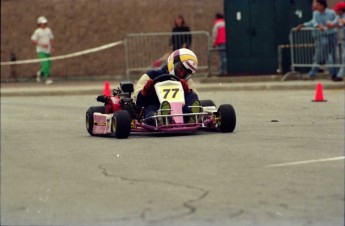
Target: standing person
x,y
325,39
315,34
310,23
44,40
179,41
219,40
340,22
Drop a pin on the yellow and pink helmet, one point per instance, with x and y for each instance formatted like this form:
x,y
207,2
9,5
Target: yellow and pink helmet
x,y
182,63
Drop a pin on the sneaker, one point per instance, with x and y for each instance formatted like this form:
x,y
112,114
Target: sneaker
x,y
337,79
196,107
165,108
49,81
38,76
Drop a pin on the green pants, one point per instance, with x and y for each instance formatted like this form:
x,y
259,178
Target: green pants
x,y
45,65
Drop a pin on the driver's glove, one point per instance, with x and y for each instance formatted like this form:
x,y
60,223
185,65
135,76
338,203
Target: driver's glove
x,y
185,86
148,88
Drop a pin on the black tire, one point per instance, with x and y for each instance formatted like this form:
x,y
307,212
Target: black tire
x,y
121,124
207,103
89,117
227,118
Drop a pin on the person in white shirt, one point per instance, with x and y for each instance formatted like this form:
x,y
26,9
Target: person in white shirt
x,y
44,40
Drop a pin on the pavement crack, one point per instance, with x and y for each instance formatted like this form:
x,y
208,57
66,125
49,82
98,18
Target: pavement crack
x,y
188,205
143,213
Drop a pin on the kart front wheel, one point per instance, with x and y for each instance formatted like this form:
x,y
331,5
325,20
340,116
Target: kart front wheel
x,y
121,124
227,118
89,117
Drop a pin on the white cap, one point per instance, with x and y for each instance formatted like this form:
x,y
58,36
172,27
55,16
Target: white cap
x,y
42,20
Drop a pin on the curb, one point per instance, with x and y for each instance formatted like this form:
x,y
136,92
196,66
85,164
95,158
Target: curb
x,y
260,86
96,88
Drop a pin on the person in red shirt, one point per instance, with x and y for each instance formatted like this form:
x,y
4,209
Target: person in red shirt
x,y
219,40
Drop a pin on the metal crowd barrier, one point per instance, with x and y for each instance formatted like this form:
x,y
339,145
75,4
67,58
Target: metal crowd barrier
x,y
144,50
214,63
311,47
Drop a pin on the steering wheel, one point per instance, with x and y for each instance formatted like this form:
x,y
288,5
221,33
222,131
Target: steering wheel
x,y
166,77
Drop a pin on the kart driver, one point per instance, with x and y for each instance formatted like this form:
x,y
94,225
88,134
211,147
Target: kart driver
x,y
182,63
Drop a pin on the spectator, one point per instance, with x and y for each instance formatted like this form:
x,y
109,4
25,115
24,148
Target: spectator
x,y
325,40
44,40
311,22
179,41
219,40
315,35
340,22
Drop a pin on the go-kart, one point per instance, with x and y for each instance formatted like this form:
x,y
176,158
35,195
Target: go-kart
x,y
120,116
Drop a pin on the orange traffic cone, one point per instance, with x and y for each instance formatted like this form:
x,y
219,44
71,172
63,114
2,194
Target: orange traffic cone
x,y
319,93
106,91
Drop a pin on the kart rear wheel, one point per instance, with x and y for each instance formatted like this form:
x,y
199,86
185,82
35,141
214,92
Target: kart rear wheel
x,y
207,103
227,118
121,124
89,117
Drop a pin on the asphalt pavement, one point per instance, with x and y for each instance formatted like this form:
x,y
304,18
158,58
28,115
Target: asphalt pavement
x,y
283,165
94,85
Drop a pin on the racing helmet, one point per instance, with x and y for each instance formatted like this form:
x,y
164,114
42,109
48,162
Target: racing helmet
x,y
182,63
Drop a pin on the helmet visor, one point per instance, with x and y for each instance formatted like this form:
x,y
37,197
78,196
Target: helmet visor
x,y
181,71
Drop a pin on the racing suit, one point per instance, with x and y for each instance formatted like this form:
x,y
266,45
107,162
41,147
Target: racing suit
x,y
150,102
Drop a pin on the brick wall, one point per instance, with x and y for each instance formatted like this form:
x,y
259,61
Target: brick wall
x,y
82,24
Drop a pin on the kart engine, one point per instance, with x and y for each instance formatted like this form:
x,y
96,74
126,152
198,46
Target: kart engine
x,y
121,100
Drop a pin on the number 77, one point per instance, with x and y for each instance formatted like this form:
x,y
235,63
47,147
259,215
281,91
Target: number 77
x,y
167,91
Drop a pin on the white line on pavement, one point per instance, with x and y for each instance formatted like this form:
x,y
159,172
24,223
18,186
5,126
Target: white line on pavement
x,y
306,162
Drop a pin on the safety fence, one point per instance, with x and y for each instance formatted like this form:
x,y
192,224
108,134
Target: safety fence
x,y
145,51
150,50
66,56
311,47
214,61
25,70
